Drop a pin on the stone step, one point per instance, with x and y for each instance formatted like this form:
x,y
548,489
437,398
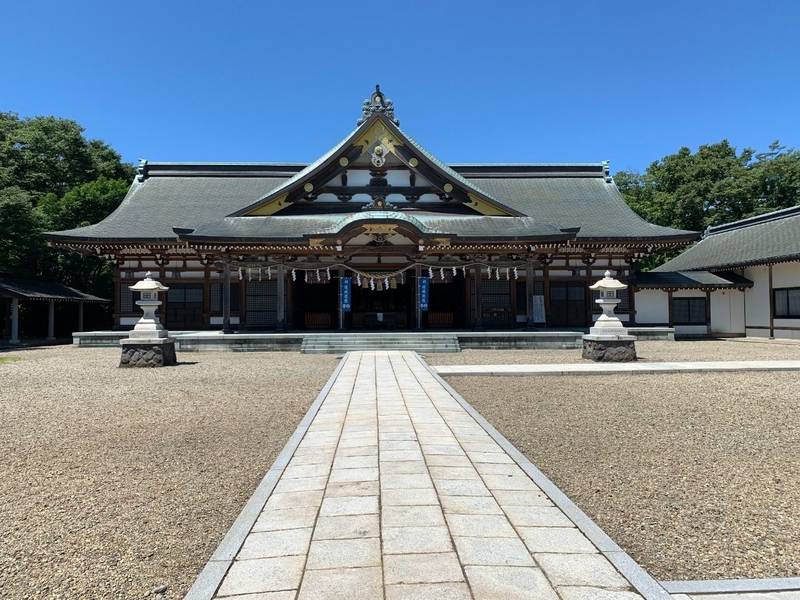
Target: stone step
x,y
338,343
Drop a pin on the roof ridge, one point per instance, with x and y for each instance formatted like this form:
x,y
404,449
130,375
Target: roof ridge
x,y
774,215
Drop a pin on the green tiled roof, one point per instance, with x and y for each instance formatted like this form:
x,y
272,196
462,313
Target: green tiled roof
x,y
771,237
689,280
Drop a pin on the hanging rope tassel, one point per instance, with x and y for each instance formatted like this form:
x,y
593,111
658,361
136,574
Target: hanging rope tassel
x,y
516,273
372,284
294,275
240,274
328,271
430,272
269,273
464,271
508,275
454,271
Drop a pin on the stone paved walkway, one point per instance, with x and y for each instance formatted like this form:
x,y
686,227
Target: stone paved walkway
x,y
396,492
600,368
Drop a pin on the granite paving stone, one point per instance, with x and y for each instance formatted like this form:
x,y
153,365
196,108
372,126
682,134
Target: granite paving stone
x,y
422,568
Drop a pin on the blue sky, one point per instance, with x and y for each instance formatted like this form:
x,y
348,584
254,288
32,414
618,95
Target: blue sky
x,y
471,81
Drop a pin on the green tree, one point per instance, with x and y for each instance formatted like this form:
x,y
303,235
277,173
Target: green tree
x,y
52,177
84,204
21,246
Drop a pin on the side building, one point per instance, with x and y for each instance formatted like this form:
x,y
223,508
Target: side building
x,y
376,234
742,278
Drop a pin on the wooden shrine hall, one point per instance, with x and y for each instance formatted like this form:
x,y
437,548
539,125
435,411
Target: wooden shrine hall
x,y
377,234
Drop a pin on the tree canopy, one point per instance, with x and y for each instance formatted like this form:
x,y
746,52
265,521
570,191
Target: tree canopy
x,y
52,177
714,185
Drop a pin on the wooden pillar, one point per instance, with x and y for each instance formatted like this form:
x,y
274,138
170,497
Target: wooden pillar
x,y
418,309
476,271
546,282
529,271
341,308
117,296
669,308
226,297
281,298
632,304
14,321
206,297
588,261
51,320
771,306
80,315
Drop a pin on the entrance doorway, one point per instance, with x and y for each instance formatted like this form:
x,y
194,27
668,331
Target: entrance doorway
x,y
447,304
386,309
316,304
567,304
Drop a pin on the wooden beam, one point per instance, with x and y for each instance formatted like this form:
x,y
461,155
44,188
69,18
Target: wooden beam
x,y
771,305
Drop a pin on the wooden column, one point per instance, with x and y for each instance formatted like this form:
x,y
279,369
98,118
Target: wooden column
x,y
226,297
418,309
669,308
51,320
14,321
771,306
281,298
632,304
117,296
80,315
476,273
546,260
529,270
206,297
339,294
588,261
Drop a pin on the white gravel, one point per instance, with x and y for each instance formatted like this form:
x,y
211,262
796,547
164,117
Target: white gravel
x,y
115,482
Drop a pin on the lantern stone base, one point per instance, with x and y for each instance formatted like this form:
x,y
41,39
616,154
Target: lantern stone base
x,y
609,348
159,352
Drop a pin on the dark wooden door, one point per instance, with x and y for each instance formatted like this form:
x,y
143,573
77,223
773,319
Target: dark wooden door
x,y
567,304
185,306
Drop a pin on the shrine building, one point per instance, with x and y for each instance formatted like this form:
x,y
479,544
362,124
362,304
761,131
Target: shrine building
x,y
377,234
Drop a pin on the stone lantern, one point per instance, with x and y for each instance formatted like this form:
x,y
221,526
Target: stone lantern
x,y
608,340
148,344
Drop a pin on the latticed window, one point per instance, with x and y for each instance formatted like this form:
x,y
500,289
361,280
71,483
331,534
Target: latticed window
x,y
689,311
262,303
125,300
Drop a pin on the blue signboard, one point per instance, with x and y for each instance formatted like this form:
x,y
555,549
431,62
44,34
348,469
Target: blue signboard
x,y
424,292
345,284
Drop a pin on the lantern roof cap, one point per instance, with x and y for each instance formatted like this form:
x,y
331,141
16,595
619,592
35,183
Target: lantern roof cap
x,y
608,283
148,284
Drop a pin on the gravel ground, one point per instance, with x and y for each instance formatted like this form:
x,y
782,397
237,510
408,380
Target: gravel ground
x,y
696,476
114,482
647,351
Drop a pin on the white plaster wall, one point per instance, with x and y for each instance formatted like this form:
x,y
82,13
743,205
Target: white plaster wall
x,y
757,299
727,312
651,307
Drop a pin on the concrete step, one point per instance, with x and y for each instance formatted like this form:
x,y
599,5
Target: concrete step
x,y
338,343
